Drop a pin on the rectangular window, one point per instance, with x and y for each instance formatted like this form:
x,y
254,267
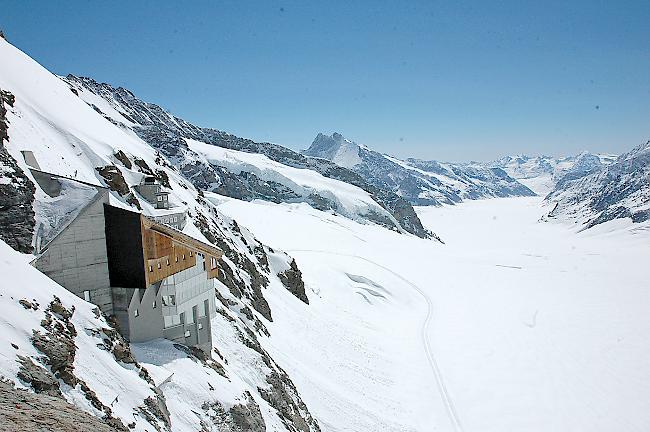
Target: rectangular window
x,y
169,300
154,304
87,295
176,258
200,326
213,263
159,198
167,261
136,313
190,253
150,268
187,333
158,265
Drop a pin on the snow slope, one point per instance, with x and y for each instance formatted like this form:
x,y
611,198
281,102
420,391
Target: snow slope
x,y
349,200
528,323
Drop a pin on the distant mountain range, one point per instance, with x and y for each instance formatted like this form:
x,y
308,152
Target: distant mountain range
x,y
421,182
541,173
592,193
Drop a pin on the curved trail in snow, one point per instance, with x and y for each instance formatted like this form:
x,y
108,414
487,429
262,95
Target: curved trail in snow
x,y
444,394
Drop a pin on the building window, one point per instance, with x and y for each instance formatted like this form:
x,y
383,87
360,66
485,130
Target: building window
x,y
150,268
183,256
136,313
87,295
200,326
167,261
176,258
169,300
158,265
159,198
190,253
213,263
154,304
187,333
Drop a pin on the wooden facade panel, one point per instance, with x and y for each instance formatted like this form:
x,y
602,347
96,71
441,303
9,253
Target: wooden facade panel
x,y
167,252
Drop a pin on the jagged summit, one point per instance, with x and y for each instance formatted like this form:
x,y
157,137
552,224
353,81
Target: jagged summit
x,y
335,148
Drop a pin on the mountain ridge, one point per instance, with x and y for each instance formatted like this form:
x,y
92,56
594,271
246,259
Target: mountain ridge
x,y
418,181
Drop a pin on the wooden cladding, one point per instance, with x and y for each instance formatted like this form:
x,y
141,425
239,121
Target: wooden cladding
x,y
167,252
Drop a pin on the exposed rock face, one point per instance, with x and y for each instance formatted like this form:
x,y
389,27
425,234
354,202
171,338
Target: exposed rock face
x,y
292,279
167,134
419,182
122,157
243,417
16,191
21,410
39,378
114,179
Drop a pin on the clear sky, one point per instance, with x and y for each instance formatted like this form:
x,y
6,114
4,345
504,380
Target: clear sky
x,y
442,80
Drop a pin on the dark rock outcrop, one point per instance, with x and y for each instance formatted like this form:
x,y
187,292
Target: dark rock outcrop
x,y
292,280
39,378
16,191
114,179
242,417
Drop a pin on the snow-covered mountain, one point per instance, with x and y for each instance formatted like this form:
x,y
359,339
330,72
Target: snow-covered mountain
x,y
63,346
591,193
542,173
170,135
399,334
418,181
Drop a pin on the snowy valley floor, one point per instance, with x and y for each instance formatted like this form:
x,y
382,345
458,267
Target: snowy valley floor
x,y
513,325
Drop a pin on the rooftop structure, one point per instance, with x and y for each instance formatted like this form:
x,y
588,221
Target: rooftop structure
x,y
152,191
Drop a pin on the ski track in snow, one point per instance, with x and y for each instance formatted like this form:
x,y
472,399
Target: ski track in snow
x,y
431,358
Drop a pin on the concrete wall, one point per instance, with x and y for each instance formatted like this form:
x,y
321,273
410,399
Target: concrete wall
x,y
148,324
194,300
77,259
174,220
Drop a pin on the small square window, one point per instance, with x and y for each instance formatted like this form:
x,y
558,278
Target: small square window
x,y
187,333
136,313
159,198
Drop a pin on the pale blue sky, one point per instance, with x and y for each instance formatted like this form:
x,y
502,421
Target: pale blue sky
x,y
438,80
